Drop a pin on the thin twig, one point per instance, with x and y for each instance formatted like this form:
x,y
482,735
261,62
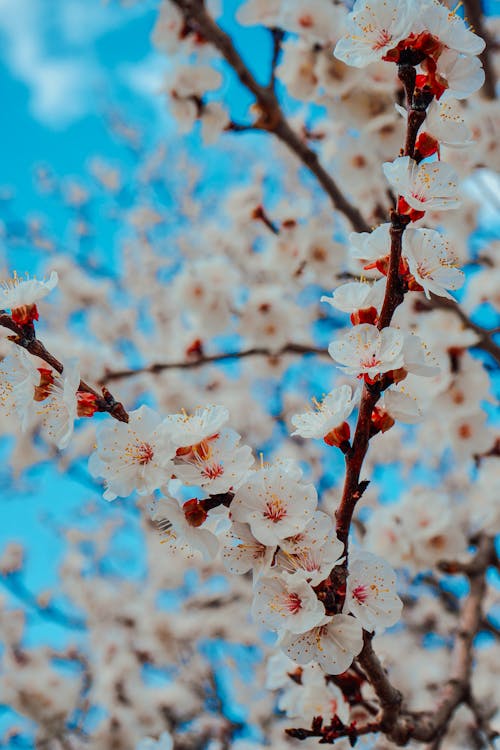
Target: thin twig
x,y
192,364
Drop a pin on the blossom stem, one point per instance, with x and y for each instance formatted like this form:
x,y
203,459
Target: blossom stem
x,y
272,117
105,401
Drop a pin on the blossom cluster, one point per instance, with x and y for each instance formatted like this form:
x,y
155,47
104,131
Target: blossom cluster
x,y
207,494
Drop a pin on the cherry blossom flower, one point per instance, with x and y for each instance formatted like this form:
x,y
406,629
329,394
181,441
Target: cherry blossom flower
x,y
315,22
418,532
218,464
430,262
333,644
418,358
373,28
179,533
243,552
401,404
274,503
186,430
423,186
286,603
329,414
18,380
370,594
311,554
259,13
356,295
314,697
134,456
447,26
446,124
370,247
364,350
21,295
469,435
461,75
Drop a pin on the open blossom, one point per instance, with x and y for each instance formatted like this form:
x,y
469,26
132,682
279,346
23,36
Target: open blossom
x,y
311,554
274,503
328,415
181,532
21,295
373,28
287,603
460,75
18,380
243,552
333,644
418,531
217,465
357,295
430,262
371,245
446,124
364,350
60,409
313,697
186,430
133,456
447,26
426,186
370,594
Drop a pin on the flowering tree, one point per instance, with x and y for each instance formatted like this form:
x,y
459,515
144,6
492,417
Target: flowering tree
x,y
377,121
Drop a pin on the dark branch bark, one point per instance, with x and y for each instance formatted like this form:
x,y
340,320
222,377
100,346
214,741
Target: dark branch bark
x,y
192,364
105,401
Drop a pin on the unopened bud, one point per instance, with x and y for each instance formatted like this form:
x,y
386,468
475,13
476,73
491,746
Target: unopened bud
x,y
195,513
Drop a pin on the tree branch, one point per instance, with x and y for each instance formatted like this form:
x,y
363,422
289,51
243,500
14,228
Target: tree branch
x,y
26,339
271,117
193,364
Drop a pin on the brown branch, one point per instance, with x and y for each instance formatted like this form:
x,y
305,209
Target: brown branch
x,y
474,15
271,117
25,337
192,364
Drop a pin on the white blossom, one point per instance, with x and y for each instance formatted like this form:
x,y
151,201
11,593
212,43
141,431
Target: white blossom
x,y
274,503
333,644
425,186
286,603
370,594
328,414
373,28
133,456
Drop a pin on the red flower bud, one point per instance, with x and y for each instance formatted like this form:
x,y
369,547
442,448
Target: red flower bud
x,y
195,513
86,404
339,435
24,315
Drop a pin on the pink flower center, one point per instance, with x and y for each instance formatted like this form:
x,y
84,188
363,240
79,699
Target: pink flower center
x,y
294,603
382,40
371,361
361,593
213,471
141,453
275,509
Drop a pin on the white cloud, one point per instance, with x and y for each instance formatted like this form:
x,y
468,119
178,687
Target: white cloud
x,y
62,85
